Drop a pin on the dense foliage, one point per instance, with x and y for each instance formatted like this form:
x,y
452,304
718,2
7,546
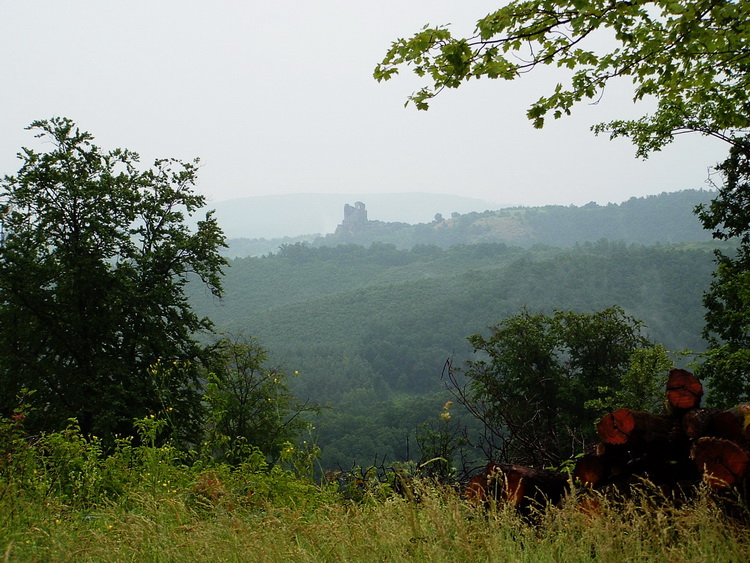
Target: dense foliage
x,y
94,258
540,378
727,302
370,329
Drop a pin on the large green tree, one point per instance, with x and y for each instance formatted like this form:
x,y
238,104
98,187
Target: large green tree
x,y
95,254
249,404
727,302
540,381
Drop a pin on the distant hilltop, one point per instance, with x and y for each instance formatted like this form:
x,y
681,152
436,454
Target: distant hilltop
x,y
664,218
293,215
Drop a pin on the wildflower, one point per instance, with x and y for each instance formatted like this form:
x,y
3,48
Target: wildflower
x,y
445,415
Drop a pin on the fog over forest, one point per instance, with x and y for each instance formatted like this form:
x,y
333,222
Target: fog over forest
x,y
369,317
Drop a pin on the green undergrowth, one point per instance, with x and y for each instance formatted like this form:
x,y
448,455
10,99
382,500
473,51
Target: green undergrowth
x,y
62,498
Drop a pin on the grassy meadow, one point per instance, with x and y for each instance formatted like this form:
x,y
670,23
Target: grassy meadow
x,y
441,527
63,499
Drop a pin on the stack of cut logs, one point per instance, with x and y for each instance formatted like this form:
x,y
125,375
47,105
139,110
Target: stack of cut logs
x,y
674,451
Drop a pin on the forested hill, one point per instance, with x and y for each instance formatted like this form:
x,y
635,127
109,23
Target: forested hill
x,y
369,328
664,218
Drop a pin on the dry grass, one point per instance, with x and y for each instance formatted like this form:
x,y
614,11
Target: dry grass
x,y
441,527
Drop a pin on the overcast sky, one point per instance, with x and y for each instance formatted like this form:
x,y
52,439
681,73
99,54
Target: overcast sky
x,y
277,97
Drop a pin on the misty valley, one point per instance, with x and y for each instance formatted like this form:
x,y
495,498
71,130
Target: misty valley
x,y
370,324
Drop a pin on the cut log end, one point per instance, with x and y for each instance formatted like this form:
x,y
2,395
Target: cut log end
x,y
625,426
522,487
684,390
476,489
722,462
616,427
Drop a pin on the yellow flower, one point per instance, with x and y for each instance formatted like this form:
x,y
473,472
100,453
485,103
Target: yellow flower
x,y
445,415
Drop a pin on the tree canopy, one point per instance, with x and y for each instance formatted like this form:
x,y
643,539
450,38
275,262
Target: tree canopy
x,y
94,258
541,381
249,404
691,56
727,301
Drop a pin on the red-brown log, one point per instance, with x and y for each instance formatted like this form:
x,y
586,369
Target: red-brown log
x,y
526,486
742,416
733,424
663,459
591,470
722,462
476,489
684,390
698,423
626,426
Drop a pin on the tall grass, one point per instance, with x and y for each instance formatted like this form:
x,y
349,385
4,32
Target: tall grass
x,y
440,527
61,500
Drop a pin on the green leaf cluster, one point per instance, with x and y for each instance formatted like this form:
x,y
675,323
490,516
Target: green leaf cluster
x,y
691,56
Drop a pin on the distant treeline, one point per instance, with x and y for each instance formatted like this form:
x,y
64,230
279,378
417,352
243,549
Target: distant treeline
x,y
663,218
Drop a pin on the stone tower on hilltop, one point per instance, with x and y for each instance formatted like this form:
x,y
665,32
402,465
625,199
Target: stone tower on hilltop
x,y
354,218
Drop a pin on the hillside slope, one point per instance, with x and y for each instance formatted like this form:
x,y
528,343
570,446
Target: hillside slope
x,y
663,218
370,329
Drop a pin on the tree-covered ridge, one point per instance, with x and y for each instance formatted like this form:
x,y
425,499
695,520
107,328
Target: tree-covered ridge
x,y
663,218
370,329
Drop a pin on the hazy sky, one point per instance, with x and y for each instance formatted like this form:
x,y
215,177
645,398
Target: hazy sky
x,y
277,97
